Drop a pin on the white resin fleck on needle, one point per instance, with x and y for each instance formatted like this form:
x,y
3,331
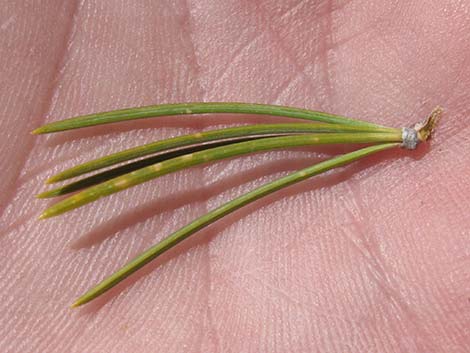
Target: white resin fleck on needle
x,y
121,183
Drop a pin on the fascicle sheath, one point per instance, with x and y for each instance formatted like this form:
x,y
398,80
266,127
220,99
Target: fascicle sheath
x,y
156,170
202,137
222,211
198,108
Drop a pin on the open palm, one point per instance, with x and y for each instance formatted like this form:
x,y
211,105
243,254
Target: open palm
x,y
371,258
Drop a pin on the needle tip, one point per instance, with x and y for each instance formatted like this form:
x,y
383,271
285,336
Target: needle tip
x,y
44,195
45,215
80,301
52,180
76,304
37,131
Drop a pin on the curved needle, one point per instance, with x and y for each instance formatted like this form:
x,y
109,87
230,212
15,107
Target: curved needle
x,y
220,212
135,165
159,169
202,137
198,108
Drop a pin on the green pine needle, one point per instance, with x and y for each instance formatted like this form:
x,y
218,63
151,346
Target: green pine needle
x,y
198,108
177,153
222,211
207,136
132,166
213,154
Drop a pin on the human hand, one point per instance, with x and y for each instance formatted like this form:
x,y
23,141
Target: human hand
x,y
370,258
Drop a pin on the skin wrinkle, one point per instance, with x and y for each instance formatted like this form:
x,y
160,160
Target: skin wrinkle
x,y
271,299
327,38
441,55
448,310
213,336
415,86
16,224
379,271
61,60
369,249
287,53
320,11
275,293
292,9
28,175
246,321
236,55
323,44
373,28
286,86
143,212
324,20
276,250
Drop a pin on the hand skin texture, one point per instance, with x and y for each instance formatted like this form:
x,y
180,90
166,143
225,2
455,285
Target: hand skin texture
x,y
374,257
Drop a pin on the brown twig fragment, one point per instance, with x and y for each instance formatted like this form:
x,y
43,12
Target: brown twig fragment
x,y
422,131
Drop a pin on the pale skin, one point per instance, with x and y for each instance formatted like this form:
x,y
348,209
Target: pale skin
x,y
370,258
